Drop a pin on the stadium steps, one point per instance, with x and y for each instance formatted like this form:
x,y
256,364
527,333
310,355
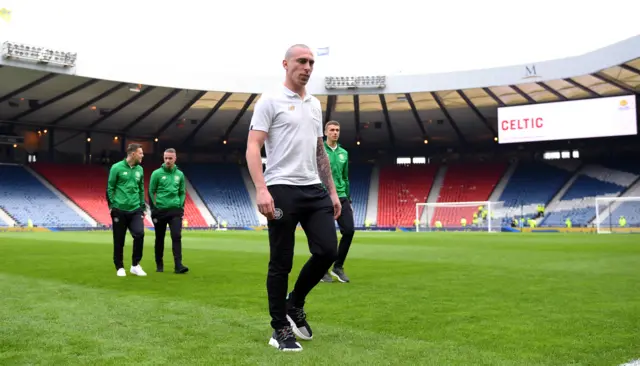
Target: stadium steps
x,y
251,188
360,180
6,219
616,210
88,193
200,207
434,193
91,221
553,204
466,182
372,199
502,184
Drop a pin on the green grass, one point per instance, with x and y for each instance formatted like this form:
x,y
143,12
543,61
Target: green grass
x,y
428,298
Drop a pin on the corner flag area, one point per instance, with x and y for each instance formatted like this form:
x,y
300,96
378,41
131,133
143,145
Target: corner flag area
x,y
445,298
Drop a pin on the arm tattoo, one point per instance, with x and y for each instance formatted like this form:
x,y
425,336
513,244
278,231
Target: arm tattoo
x,y
324,167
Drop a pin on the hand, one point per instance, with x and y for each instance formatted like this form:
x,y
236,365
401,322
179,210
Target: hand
x,y
337,206
265,203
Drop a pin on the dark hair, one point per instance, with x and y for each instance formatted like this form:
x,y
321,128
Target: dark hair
x,y
133,148
170,150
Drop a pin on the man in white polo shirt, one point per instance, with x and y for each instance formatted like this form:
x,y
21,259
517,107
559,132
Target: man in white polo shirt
x,y
288,121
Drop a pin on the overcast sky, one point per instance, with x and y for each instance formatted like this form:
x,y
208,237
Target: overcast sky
x,y
250,36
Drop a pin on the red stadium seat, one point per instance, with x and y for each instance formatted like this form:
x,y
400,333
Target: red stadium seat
x,y
401,187
466,183
89,191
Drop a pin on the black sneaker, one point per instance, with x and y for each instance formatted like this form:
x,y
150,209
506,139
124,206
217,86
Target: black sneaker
x,y
181,269
298,320
340,275
159,267
284,340
327,278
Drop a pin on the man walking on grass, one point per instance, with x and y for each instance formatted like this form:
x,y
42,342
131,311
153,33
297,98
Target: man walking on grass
x,y
339,158
125,198
166,199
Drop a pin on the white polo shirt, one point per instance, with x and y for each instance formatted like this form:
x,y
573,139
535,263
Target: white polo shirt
x,y
293,126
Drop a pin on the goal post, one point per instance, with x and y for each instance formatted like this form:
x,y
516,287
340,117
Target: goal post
x,y
610,211
456,216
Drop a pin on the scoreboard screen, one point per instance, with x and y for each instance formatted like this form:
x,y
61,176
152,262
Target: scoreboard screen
x,y
598,117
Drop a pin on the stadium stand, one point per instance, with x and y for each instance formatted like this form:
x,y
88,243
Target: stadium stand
x,y
360,180
401,187
532,184
89,191
223,191
578,202
466,183
23,197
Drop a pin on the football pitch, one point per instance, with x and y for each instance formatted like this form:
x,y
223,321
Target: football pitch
x,y
414,299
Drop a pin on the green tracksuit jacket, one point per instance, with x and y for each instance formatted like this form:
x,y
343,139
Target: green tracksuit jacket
x,y
125,187
339,159
166,188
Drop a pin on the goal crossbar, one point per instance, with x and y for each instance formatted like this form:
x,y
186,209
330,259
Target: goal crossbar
x,y
427,209
605,207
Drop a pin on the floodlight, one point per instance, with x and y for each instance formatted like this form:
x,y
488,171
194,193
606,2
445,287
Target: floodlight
x,y
26,52
355,82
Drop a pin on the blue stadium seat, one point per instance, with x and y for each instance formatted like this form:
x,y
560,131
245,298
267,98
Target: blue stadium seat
x,y
533,184
360,180
630,210
584,187
23,197
223,191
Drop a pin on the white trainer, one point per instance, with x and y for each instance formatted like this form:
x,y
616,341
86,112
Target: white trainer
x,y
137,270
121,272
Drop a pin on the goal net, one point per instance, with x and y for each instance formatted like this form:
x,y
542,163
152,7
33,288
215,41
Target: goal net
x,y
456,216
617,214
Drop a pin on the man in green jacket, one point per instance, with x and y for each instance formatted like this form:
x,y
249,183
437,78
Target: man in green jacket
x,y
125,198
339,159
166,199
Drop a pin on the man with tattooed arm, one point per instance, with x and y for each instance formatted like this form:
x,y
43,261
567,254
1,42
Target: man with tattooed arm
x,y
288,122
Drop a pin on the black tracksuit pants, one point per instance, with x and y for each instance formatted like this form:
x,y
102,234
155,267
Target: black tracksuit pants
x,y
134,222
347,230
311,207
173,218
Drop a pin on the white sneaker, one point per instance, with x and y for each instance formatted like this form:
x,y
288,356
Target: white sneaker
x,y
121,272
137,270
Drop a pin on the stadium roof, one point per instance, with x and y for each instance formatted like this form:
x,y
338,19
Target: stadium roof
x,y
450,115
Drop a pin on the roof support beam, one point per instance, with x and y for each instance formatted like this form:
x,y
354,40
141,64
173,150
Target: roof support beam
x,y
206,118
356,112
331,104
27,87
153,108
55,99
522,94
117,109
582,87
87,103
477,112
387,120
243,110
630,68
416,116
607,79
444,110
177,115
494,97
552,91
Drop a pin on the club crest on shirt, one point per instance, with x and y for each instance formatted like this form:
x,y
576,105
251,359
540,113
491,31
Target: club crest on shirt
x,y
277,214
292,107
